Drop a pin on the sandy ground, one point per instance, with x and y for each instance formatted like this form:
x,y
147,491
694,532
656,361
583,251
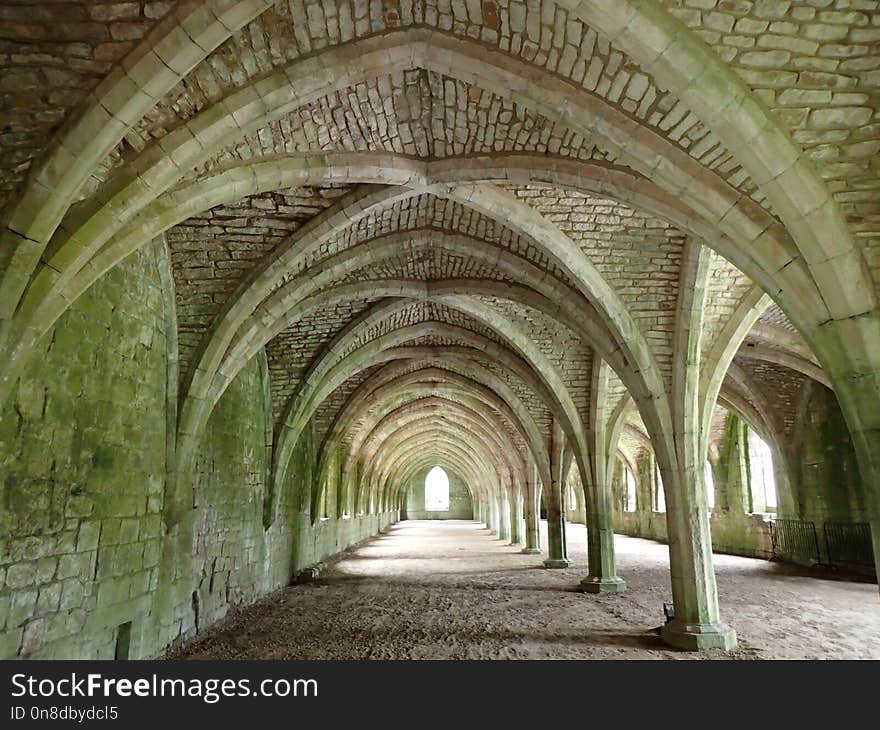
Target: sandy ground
x,y
450,590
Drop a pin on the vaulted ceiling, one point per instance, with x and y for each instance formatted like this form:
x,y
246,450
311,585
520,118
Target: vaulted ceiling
x,y
451,224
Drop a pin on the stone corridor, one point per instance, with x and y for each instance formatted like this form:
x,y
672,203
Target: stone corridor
x,y
440,589
268,265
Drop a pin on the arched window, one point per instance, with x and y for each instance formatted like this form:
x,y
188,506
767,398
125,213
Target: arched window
x,y
659,494
762,480
710,485
437,491
630,505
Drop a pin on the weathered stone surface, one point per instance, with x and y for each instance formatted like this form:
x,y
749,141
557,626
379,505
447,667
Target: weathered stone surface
x,y
260,266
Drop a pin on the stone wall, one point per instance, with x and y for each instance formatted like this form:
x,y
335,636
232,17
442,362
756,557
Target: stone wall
x,y
83,472
737,534
85,558
820,456
733,529
230,549
309,542
460,503
816,480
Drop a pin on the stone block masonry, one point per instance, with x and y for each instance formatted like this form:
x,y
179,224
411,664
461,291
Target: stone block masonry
x,y
83,474
520,239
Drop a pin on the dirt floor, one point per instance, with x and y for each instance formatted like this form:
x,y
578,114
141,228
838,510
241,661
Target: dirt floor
x,y
450,590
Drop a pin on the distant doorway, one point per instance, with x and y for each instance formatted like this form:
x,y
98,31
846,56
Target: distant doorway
x,y
436,491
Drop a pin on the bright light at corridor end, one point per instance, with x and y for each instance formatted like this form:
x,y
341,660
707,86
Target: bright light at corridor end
x,y
437,490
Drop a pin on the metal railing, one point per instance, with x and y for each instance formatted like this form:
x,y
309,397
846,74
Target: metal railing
x,y
795,541
849,545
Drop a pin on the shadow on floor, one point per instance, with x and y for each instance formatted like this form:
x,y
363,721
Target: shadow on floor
x,y
239,641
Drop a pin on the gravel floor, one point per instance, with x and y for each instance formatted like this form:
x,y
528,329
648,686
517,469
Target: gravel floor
x,y
450,590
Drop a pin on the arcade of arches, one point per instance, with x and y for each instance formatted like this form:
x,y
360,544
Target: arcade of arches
x,y
265,263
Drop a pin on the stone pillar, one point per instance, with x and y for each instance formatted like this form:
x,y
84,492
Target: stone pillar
x,y
875,536
602,576
495,513
556,545
697,624
532,519
598,494
516,520
504,516
731,470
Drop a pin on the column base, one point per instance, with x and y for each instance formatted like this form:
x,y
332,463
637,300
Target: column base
x,y
515,544
698,637
558,563
531,551
603,585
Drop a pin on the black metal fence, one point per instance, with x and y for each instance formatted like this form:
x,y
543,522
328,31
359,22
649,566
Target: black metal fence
x,y
847,545
795,541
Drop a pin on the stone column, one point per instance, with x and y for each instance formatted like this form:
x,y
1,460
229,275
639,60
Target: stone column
x,y
602,576
532,519
731,471
504,515
516,520
556,546
875,536
598,495
697,624
495,513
